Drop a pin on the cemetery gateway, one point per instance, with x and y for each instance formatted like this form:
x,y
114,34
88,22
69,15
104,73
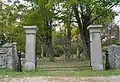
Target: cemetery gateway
x,y
9,51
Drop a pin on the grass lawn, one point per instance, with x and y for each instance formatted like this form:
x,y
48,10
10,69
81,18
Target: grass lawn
x,y
80,73
71,72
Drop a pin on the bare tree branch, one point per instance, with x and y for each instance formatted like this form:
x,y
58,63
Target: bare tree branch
x,y
75,9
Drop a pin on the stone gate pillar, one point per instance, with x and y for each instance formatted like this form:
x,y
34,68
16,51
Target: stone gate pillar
x,y
30,47
95,47
14,55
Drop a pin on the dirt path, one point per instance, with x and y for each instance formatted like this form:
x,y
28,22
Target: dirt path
x,y
61,79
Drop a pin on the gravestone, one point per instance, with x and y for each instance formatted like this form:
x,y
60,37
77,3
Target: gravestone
x,y
8,56
114,56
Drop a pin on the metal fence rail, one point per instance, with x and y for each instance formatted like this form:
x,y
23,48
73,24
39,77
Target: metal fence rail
x,y
61,50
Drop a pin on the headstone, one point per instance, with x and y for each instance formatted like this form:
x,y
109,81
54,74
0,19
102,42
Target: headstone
x,y
95,47
30,59
114,56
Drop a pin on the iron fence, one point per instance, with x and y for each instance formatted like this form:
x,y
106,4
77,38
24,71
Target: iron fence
x,y
66,55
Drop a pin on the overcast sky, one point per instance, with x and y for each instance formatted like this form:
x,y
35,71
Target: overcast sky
x,y
117,18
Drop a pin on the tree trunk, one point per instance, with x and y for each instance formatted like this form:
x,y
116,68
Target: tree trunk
x,y
83,22
51,52
78,53
42,52
49,36
68,54
69,17
86,43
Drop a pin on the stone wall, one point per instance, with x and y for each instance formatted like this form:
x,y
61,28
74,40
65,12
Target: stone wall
x,y
114,56
8,57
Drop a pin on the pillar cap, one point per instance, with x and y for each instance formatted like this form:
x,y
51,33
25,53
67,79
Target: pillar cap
x,y
14,43
30,29
94,26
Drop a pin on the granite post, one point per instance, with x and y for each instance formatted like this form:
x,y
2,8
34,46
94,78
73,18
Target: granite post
x,y
14,56
95,47
118,35
30,47
114,56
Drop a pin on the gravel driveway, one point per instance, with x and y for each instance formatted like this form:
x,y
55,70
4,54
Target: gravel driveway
x,y
60,79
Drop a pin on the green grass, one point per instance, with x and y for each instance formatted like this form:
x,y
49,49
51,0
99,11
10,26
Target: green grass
x,y
80,73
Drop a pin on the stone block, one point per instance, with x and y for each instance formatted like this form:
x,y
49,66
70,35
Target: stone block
x,y
7,58
114,56
97,67
29,66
